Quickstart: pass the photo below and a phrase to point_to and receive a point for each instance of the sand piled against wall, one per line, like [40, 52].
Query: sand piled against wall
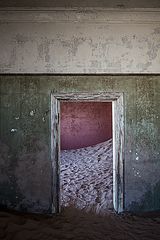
[87, 177]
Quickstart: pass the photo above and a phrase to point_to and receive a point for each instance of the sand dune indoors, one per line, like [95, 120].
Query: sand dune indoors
[86, 177]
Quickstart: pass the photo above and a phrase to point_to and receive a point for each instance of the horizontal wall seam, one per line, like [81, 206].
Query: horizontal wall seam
[88, 16]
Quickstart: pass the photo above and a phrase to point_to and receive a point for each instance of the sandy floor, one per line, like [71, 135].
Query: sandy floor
[86, 177]
[78, 225]
[74, 223]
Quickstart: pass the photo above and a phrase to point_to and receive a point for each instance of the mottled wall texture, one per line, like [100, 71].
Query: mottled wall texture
[77, 41]
[80, 41]
[25, 165]
[85, 124]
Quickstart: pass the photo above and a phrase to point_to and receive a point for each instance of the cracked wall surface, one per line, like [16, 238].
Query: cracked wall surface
[25, 166]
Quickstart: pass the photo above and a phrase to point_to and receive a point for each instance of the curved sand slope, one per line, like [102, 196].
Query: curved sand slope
[86, 177]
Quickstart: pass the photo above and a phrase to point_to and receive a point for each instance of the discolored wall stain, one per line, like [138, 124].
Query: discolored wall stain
[149, 198]
[25, 164]
[34, 170]
[80, 41]
[20, 39]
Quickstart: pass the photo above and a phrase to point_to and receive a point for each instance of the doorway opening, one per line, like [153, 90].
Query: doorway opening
[86, 159]
[87, 141]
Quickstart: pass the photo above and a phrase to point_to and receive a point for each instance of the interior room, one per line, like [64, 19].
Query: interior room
[79, 119]
[86, 170]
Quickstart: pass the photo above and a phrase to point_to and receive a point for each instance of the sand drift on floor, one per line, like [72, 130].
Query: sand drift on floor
[86, 177]
[75, 224]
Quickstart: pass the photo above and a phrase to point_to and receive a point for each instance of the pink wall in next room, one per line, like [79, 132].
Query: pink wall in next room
[85, 123]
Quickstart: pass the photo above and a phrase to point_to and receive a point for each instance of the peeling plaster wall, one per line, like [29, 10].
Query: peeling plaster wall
[25, 167]
[80, 41]
[77, 41]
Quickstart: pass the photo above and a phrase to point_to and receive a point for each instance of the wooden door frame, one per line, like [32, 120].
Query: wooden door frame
[118, 142]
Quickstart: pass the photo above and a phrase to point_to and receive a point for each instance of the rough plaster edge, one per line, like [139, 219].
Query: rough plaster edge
[73, 15]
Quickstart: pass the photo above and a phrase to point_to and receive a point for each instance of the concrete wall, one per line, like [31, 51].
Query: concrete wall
[80, 41]
[82, 3]
[77, 41]
[85, 124]
[25, 166]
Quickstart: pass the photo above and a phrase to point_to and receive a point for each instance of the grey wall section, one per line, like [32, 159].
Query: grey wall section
[82, 3]
[25, 167]
[80, 41]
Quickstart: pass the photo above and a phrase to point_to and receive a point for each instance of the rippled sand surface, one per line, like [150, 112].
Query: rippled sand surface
[87, 177]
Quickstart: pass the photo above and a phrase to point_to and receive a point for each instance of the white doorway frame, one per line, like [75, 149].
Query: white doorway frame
[117, 100]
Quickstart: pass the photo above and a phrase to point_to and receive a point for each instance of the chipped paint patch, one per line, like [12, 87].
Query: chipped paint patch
[17, 118]
[32, 113]
[87, 46]
[14, 130]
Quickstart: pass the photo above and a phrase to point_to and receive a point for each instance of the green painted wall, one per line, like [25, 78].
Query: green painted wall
[25, 166]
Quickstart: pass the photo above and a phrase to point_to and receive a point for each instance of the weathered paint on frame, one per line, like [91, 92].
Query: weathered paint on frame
[118, 141]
